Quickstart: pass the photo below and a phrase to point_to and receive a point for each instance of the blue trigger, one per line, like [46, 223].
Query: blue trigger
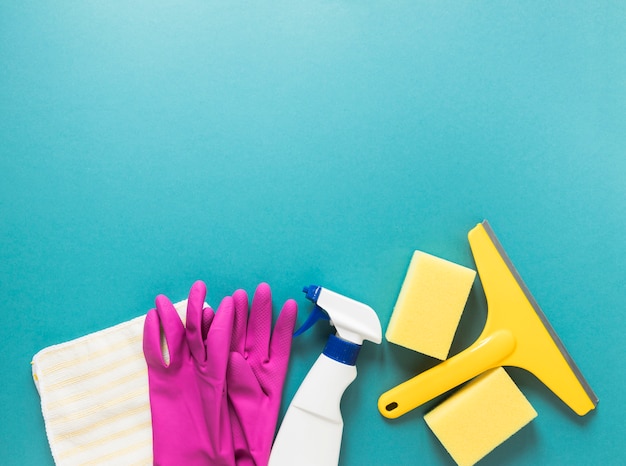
[317, 314]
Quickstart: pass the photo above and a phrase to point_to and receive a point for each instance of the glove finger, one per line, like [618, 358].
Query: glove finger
[195, 315]
[218, 340]
[207, 318]
[280, 347]
[173, 330]
[152, 340]
[238, 340]
[259, 324]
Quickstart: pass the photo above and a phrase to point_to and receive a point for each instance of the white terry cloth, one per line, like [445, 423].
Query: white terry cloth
[94, 397]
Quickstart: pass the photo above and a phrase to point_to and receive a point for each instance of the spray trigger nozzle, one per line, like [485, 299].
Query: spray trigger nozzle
[312, 292]
[353, 321]
[317, 314]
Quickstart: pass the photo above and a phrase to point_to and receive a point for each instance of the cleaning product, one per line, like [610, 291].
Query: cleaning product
[516, 333]
[311, 431]
[430, 305]
[480, 416]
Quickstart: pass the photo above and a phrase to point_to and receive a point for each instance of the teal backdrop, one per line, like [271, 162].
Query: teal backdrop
[147, 144]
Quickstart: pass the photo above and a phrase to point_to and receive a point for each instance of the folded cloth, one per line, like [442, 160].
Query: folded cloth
[94, 396]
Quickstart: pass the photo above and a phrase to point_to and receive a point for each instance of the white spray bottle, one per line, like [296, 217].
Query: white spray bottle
[311, 431]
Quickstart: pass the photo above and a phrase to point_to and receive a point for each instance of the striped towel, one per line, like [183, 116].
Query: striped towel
[94, 397]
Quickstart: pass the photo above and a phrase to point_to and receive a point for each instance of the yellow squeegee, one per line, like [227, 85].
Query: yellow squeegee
[516, 333]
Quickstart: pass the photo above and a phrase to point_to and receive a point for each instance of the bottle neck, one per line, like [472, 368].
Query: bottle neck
[342, 350]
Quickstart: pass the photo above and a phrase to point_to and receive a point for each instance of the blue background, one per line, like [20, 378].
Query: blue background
[147, 144]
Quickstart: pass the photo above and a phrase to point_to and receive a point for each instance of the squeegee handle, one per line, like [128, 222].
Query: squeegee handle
[486, 353]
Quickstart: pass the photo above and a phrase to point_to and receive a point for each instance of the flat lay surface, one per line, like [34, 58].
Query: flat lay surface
[147, 145]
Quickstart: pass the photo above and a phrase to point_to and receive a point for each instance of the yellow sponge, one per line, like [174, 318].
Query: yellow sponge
[480, 416]
[430, 305]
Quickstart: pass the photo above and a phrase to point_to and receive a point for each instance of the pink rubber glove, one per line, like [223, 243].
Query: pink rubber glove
[256, 373]
[190, 421]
